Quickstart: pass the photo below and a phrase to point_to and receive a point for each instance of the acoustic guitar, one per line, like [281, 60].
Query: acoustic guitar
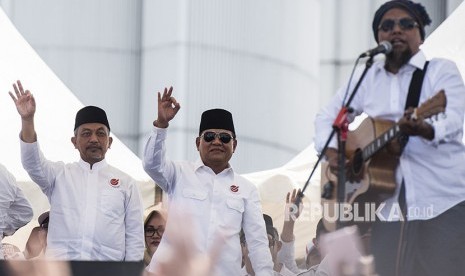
[373, 151]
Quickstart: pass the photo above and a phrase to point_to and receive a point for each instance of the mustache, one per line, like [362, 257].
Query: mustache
[94, 146]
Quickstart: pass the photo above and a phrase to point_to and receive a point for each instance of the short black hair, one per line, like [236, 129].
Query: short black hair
[320, 229]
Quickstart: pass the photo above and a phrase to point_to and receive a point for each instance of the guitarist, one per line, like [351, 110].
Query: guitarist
[428, 237]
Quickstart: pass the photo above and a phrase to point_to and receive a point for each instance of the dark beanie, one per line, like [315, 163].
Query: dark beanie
[416, 10]
[216, 118]
[91, 114]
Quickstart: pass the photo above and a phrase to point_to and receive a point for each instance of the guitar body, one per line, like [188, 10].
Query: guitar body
[379, 170]
[369, 182]
[373, 150]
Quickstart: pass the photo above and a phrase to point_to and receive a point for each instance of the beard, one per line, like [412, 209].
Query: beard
[395, 60]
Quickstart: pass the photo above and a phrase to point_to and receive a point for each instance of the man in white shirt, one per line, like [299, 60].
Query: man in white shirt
[15, 210]
[218, 201]
[430, 175]
[95, 209]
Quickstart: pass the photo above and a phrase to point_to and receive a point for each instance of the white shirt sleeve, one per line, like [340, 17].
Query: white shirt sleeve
[449, 127]
[255, 234]
[15, 210]
[39, 169]
[162, 171]
[134, 228]
[286, 256]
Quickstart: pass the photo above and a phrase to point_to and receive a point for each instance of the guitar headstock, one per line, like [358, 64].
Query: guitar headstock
[433, 106]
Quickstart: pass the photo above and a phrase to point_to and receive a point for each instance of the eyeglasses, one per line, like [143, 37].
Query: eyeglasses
[150, 231]
[224, 137]
[404, 23]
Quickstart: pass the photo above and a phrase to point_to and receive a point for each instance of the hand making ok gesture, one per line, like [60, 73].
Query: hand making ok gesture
[167, 108]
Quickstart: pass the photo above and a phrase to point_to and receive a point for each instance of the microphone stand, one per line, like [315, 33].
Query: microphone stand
[340, 126]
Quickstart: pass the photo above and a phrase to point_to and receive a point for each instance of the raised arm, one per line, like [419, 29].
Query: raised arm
[26, 106]
[291, 214]
[154, 159]
[286, 255]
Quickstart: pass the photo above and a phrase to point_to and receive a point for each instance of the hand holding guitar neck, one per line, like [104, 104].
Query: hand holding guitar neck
[412, 125]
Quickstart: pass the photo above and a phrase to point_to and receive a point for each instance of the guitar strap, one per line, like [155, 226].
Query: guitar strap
[413, 99]
[414, 90]
[413, 96]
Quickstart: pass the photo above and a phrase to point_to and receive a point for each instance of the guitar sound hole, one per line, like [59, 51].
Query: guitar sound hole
[357, 162]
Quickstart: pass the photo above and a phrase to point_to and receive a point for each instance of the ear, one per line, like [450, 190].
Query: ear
[197, 142]
[110, 140]
[279, 244]
[234, 145]
[315, 242]
[73, 140]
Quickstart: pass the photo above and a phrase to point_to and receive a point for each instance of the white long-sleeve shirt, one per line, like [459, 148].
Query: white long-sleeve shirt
[433, 171]
[15, 210]
[95, 214]
[286, 256]
[214, 207]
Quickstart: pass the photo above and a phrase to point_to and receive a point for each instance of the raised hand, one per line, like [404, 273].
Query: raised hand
[292, 201]
[24, 101]
[292, 211]
[167, 108]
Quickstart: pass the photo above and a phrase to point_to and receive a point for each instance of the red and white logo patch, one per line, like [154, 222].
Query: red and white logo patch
[114, 182]
[234, 188]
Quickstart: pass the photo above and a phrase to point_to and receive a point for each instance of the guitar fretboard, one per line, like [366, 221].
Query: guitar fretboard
[380, 142]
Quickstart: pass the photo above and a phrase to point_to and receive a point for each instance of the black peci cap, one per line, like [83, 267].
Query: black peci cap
[91, 114]
[217, 119]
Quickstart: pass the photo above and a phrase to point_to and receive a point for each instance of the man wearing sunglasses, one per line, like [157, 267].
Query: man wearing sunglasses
[419, 230]
[217, 201]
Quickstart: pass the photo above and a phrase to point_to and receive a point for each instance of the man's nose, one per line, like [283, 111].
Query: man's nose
[93, 137]
[396, 27]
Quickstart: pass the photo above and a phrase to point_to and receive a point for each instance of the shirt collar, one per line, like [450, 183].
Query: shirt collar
[417, 61]
[95, 167]
[199, 164]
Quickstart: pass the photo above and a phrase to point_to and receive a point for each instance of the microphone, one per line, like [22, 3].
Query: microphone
[384, 47]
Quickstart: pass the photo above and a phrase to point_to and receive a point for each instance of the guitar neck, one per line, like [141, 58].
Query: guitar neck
[380, 142]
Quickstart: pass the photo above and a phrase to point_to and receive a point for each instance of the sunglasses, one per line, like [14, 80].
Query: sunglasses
[224, 137]
[404, 24]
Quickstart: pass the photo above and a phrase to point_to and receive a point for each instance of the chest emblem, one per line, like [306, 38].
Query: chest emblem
[114, 182]
[234, 188]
